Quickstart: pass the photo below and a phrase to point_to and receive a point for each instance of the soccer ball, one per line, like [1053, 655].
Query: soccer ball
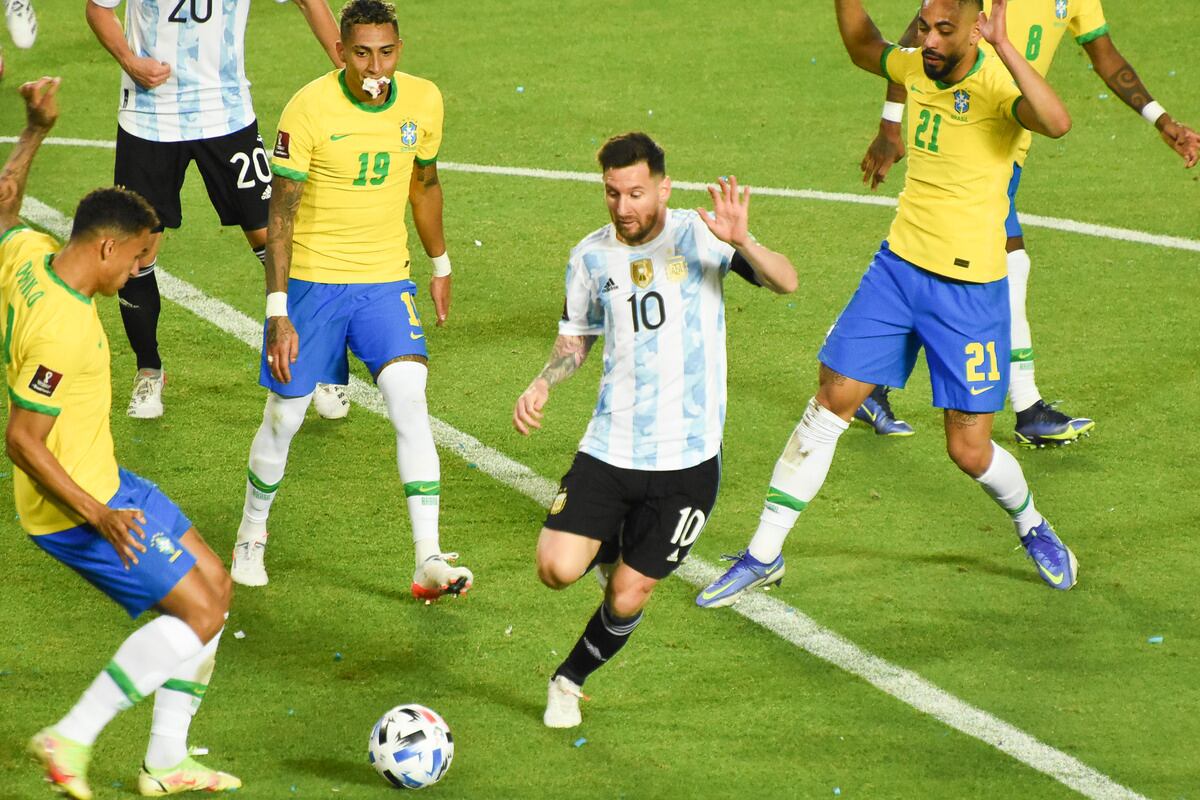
[411, 747]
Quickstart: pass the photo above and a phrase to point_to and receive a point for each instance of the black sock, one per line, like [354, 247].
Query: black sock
[140, 305]
[260, 253]
[603, 638]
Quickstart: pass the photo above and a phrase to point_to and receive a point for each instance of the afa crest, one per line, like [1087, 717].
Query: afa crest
[408, 133]
[560, 502]
[962, 101]
[677, 268]
[642, 272]
[1060, 9]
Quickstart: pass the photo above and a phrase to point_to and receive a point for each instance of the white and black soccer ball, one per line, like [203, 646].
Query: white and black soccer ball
[411, 747]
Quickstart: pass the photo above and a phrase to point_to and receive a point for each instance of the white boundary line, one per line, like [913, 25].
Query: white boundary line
[776, 616]
[1033, 220]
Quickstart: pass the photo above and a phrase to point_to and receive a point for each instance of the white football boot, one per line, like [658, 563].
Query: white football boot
[562, 703]
[436, 577]
[330, 401]
[22, 22]
[146, 401]
[248, 568]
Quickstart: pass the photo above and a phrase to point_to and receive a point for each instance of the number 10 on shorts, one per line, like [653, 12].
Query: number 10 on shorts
[691, 522]
[977, 353]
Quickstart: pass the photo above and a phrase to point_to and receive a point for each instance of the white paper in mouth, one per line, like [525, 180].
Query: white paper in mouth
[375, 86]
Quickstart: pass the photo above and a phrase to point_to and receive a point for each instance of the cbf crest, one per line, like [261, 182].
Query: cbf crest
[962, 101]
[408, 133]
[1060, 9]
[641, 272]
[163, 544]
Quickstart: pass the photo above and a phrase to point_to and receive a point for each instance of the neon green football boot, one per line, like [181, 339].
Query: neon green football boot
[65, 762]
[188, 775]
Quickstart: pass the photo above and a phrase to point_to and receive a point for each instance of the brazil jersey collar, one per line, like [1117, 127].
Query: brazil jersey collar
[358, 104]
[54, 277]
[978, 63]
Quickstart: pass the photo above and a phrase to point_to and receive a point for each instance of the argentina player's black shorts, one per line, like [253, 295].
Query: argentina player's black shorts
[235, 169]
[653, 517]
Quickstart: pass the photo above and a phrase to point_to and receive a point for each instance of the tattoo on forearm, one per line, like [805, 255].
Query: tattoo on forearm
[427, 175]
[1128, 86]
[281, 222]
[16, 170]
[568, 353]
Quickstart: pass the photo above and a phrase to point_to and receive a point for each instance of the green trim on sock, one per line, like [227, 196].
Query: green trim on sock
[196, 690]
[1025, 505]
[124, 683]
[424, 488]
[1022, 354]
[261, 485]
[784, 499]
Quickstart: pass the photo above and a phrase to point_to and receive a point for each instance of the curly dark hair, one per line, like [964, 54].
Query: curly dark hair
[114, 209]
[367, 12]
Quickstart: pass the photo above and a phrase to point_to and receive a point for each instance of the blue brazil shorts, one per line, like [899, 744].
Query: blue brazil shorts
[900, 308]
[377, 321]
[1012, 226]
[163, 565]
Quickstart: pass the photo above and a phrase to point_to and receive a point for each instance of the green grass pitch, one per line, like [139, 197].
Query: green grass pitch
[900, 553]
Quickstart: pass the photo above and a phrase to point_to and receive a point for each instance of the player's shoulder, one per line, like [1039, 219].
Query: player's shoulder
[600, 239]
[319, 90]
[20, 244]
[415, 87]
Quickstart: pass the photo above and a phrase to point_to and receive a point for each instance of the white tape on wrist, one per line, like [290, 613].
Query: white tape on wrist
[277, 304]
[892, 112]
[1152, 111]
[441, 265]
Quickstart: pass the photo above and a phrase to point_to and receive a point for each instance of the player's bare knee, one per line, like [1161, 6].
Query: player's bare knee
[969, 456]
[556, 575]
[627, 601]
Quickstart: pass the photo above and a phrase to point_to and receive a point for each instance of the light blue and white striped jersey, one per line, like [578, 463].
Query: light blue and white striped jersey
[204, 42]
[661, 309]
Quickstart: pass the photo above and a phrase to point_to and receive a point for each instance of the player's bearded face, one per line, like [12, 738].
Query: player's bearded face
[637, 202]
[945, 31]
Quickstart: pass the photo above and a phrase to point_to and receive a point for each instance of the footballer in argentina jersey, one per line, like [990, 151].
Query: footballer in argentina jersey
[962, 141]
[661, 308]
[204, 42]
[56, 356]
[1037, 27]
[356, 161]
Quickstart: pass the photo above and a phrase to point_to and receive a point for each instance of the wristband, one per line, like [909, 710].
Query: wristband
[892, 112]
[277, 304]
[441, 265]
[1152, 111]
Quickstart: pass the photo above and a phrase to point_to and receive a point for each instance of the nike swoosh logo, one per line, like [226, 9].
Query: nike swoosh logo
[1050, 576]
[415, 336]
[1023, 354]
[427, 490]
[709, 595]
[335, 137]
[915, 90]
[975, 391]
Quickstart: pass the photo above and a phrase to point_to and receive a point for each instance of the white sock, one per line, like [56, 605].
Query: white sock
[798, 476]
[141, 664]
[175, 703]
[1022, 387]
[282, 417]
[403, 387]
[1005, 483]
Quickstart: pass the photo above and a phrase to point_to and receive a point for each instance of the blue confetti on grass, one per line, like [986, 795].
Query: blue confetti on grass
[337, 656]
[580, 742]
[1155, 640]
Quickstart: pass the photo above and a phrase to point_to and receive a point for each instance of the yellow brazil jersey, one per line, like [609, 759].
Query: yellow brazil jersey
[57, 356]
[1036, 28]
[356, 161]
[962, 139]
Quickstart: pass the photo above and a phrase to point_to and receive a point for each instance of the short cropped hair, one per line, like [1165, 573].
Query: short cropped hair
[367, 12]
[976, 4]
[632, 148]
[114, 209]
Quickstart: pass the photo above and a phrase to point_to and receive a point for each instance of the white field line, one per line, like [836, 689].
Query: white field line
[1032, 220]
[776, 616]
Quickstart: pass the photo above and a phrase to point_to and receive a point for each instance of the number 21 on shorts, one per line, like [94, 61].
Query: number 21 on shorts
[977, 354]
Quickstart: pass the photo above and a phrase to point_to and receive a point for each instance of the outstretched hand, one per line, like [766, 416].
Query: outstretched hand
[884, 151]
[1183, 140]
[995, 27]
[729, 220]
[41, 108]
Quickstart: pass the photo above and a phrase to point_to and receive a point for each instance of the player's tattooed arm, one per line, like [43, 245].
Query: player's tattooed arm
[568, 353]
[567, 356]
[1120, 76]
[281, 224]
[41, 112]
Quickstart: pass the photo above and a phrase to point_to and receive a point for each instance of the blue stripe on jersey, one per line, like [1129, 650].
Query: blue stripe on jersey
[142, 99]
[597, 267]
[600, 429]
[695, 359]
[187, 79]
[231, 89]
